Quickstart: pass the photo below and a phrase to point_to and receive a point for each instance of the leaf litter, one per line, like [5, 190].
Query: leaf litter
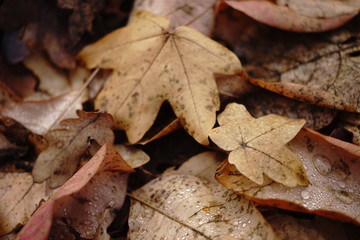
[183, 64]
[332, 167]
[68, 143]
[100, 184]
[230, 87]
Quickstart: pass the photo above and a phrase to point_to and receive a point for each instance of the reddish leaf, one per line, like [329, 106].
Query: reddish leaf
[285, 18]
[101, 183]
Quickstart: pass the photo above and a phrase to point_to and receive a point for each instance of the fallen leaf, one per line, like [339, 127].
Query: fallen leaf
[316, 117]
[234, 86]
[52, 81]
[352, 124]
[132, 156]
[317, 68]
[196, 14]
[19, 198]
[83, 199]
[287, 227]
[202, 165]
[258, 145]
[16, 81]
[333, 170]
[82, 17]
[41, 116]
[313, 17]
[14, 139]
[178, 67]
[189, 207]
[68, 143]
[167, 128]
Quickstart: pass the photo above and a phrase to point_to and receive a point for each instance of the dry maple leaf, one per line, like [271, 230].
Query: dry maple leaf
[68, 143]
[152, 65]
[333, 170]
[258, 145]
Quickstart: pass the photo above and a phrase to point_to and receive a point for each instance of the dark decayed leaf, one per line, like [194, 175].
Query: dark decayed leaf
[68, 143]
[80, 205]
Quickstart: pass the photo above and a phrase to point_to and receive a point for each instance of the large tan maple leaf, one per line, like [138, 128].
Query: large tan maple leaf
[152, 65]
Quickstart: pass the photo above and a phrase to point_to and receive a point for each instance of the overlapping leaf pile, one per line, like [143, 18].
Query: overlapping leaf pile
[65, 162]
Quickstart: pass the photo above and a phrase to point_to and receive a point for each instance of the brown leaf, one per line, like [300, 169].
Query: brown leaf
[303, 16]
[196, 14]
[14, 139]
[234, 86]
[191, 207]
[82, 17]
[316, 117]
[19, 198]
[178, 67]
[82, 201]
[287, 227]
[320, 68]
[258, 145]
[333, 170]
[352, 124]
[41, 116]
[68, 143]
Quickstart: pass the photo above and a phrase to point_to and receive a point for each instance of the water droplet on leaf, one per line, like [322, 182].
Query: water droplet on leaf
[322, 164]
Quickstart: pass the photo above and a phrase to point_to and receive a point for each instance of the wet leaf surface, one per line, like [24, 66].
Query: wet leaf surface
[332, 167]
[183, 64]
[82, 200]
[68, 143]
[188, 207]
[257, 146]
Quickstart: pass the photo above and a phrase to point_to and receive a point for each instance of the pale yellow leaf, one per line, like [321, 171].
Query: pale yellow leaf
[258, 145]
[187, 207]
[152, 65]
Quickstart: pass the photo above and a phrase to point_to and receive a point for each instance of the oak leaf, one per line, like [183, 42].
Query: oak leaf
[193, 208]
[19, 198]
[258, 145]
[82, 202]
[152, 65]
[68, 143]
[333, 170]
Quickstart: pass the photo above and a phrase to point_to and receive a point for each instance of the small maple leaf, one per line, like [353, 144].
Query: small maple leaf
[258, 145]
[152, 65]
